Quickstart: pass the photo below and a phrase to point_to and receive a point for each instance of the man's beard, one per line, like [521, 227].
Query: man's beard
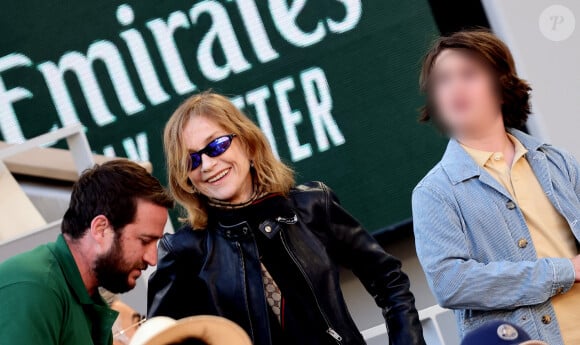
[112, 270]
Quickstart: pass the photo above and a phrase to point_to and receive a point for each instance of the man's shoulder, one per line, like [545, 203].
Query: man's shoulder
[37, 266]
[435, 178]
[559, 157]
[32, 303]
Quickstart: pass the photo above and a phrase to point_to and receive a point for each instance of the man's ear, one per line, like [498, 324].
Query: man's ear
[99, 226]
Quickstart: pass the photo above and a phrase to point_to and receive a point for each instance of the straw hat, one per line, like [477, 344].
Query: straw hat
[213, 330]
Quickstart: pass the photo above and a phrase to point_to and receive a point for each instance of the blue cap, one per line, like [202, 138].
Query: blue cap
[499, 333]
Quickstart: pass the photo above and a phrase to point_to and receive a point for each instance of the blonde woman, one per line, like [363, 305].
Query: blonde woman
[259, 250]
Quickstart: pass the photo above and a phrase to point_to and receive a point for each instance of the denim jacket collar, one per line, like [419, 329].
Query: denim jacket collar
[459, 166]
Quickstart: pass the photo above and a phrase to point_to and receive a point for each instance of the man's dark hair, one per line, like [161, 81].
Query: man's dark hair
[111, 189]
[514, 92]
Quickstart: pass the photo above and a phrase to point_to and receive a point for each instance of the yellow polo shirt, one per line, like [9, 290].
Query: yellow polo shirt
[549, 231]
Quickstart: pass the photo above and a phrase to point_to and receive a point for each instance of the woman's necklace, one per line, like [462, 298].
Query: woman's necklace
[256, 194]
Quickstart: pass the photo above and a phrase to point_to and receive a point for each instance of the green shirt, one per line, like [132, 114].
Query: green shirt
[43, 301]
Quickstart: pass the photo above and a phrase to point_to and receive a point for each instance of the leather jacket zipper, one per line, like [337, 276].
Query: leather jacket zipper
[245, 293]
[291, 220]
[329, 330]
[334, 334]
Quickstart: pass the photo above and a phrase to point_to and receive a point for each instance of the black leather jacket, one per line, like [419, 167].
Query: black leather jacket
[217, 271]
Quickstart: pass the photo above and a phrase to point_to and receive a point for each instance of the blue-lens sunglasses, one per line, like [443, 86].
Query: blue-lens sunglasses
[215, 148]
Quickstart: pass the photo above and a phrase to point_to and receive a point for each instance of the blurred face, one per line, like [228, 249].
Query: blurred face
[226, 177]
[464, 92]
[132, 249]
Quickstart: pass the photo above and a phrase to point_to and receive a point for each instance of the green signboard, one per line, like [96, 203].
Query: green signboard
[332, 83]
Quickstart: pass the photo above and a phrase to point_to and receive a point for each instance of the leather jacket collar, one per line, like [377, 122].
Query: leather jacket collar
[266, 214]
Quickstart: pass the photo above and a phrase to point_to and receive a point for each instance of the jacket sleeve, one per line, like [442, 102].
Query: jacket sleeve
[172, 289]
[353, 247]
[460, 282]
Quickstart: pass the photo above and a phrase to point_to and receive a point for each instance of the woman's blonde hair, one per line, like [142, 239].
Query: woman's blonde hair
[270, 175]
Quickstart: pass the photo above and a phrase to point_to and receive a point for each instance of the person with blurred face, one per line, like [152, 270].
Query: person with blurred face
[49, 295]
[259, 250]
[496, 220]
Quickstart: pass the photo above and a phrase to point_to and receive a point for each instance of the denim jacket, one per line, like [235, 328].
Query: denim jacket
[468, 228]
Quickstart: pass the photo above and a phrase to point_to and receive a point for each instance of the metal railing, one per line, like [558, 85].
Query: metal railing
[431, 327]
[82, 157]
[75, 138]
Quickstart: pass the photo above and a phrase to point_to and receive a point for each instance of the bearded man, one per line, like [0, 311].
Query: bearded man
[49, 295]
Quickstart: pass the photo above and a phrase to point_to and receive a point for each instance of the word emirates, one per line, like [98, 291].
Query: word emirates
[220, 35]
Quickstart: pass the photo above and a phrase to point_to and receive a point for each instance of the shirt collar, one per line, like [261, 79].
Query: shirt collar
[483, 157]
[460, 166]
[98, 312]
[71, 272]
[479, 156]
[520, 150]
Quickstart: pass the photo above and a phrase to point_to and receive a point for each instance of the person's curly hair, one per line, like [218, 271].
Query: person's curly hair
[514, 92]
